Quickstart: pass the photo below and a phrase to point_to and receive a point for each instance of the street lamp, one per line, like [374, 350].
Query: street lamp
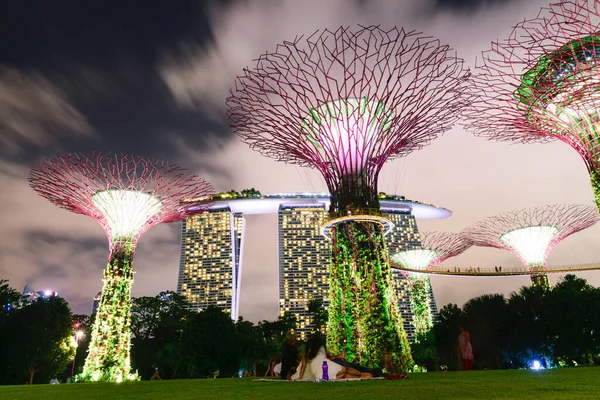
[78, 335]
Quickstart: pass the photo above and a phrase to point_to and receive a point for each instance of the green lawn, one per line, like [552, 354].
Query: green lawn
[574, 383]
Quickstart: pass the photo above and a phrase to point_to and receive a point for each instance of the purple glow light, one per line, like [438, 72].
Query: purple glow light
[347, 131]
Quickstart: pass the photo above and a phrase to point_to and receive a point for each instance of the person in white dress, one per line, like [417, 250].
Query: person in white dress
[311, 365]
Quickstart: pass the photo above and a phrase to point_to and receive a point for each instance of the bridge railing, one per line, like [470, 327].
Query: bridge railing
[503, 271]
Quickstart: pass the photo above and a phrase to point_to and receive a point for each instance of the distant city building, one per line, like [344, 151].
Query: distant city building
[211, 260]
[212, 245]
[96, 303]
[304, 256]
[29, 295]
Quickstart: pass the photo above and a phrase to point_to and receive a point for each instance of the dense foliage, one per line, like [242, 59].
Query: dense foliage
[364, 323]
[35, 340]
[187, 344]
[560, 327]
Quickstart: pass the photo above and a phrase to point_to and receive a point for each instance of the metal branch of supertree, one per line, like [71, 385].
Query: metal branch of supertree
[126, 194]
[531, 233]
[436, 247]
[346, 101]
[541, 83]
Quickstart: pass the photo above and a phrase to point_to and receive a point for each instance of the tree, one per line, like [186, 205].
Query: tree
[253, 348]
[250, 193]
[8, 298]
[571, 311]
[445, 332]
[424, 351]
[528, 330]
[41, 339]
[209, 345]
[319, 314]
[157, 323]
[485, 318]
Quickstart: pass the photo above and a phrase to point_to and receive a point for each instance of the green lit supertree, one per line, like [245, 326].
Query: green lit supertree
[436, 247]
[345, 102]
[127, 195]
[542, 83]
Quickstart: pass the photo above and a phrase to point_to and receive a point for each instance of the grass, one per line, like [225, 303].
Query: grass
[573, 383]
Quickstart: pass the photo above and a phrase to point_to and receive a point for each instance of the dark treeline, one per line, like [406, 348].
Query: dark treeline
[189, 344]
[37, 339]
[557, 328]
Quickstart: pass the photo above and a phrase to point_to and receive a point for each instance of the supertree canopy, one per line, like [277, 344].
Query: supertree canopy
[127, 195]
[435, 248]
[542, 83]
[345, 102]
[530, 234]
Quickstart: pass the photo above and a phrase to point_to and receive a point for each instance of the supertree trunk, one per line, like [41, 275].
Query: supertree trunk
[540, 279]
[108, 358]
[364, 320]
[353, 191]
[595, 180]
[420, 300]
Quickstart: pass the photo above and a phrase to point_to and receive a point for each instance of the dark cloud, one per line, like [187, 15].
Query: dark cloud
[34, 112]
[467, 5]
[97, 65]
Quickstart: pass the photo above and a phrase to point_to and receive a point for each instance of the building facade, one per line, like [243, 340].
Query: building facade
[96, 303]
[210, 267]
[304, 258]
[212, 252]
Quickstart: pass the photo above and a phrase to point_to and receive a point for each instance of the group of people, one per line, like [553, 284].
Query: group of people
[314, 363]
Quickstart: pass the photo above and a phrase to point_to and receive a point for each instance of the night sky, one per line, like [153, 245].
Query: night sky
[150, 78]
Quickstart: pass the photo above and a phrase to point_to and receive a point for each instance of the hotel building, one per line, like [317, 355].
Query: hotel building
[212, 243]
[210, 267]
[304, 257]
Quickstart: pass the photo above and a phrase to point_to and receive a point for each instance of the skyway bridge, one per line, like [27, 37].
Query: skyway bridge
[500, 270]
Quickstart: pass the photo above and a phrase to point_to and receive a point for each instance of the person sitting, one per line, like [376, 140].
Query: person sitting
[289, 354]
[311, 364]
[273, 363]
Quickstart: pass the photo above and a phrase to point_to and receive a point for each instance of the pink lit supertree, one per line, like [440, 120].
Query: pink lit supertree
[345, 102]
[127, 195]
[436, 247]
[541, 83]
[532, 233]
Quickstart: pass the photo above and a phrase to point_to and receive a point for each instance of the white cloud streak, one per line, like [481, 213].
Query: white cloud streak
[34, 111]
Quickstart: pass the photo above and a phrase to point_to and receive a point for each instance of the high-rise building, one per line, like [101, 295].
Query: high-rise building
[96, 302]
[211, 260]
[304, 256]
[212, 246]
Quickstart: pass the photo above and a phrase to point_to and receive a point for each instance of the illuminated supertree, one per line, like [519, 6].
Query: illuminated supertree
[127, 195]
[530, 234]
[542, 83]
[436, 247]
[345, 102]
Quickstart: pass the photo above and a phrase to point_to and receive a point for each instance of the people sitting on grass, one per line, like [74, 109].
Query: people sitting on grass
[311, 364]
[289, 354]
[274, 367]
